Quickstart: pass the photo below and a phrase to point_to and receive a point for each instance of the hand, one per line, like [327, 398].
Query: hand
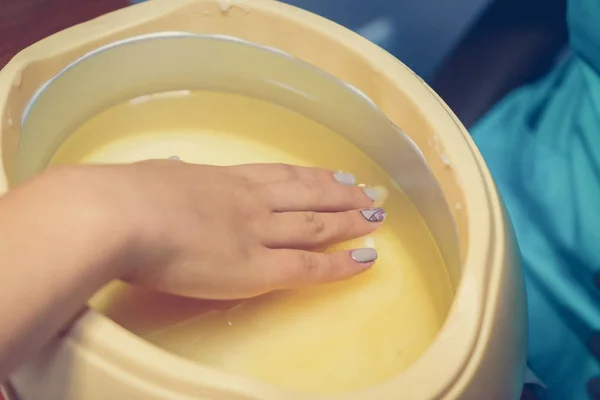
[236, 232]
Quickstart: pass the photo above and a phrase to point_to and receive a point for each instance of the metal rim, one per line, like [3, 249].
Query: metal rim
[175, 34]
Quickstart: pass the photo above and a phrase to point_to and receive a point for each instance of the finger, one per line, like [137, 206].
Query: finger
[315, 195]
[264, 173]
[293, 268]
[310, 230]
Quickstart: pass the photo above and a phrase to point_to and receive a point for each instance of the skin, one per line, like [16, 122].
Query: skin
[192, 230]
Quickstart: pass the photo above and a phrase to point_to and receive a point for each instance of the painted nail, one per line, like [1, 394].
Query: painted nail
[364, 256]
[374, 214]
[175, 158]
[344, 178]
[377, 194]
[372, 193]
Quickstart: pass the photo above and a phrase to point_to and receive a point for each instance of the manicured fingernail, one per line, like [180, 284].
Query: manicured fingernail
[372, 193]
[175, 158]
[344, 178]
[377, 194]
[374, 214]
[364, 256]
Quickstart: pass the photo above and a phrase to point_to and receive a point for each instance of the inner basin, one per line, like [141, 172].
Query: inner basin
[324, 339]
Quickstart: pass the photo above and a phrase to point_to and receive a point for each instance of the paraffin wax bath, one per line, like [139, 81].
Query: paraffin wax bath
[324, 339]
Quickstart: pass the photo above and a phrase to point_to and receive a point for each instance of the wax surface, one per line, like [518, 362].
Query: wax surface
[332, 338]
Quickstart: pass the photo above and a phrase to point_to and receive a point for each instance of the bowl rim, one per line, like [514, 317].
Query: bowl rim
[462, 331]
[420, 185]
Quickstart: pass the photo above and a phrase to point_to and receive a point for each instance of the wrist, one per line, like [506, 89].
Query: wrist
[80, 202]
[61, 242]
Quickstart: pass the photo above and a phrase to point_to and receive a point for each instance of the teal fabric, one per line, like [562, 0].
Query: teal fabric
[542, 144]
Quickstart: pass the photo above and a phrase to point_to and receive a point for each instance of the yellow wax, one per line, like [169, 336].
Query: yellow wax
[332, 338]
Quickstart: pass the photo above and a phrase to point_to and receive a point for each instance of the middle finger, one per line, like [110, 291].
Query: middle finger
[310, 230]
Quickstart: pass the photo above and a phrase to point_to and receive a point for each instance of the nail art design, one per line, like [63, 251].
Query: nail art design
[364, 256]
[344, 178]
[374, 214]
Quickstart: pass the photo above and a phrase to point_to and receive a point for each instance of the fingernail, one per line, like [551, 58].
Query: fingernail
[377, 194]
[364, 256]
[372, 193]
[373, 214]
[175, 158]
[344, 178]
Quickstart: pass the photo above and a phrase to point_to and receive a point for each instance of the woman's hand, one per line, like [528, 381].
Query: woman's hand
[193, 230]
[235, 232]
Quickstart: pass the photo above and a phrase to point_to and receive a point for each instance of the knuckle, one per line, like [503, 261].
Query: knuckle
[261, 192]
[245, 181]
[309, 263]
[242, 189]
[314, 222]
[324, 175]
[315, 188]
[245, 200]
[287, 170]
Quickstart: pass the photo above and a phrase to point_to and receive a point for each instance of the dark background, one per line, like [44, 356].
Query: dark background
[431, 27]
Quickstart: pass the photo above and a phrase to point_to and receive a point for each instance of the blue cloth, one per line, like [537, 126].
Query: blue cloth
[542, 144]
